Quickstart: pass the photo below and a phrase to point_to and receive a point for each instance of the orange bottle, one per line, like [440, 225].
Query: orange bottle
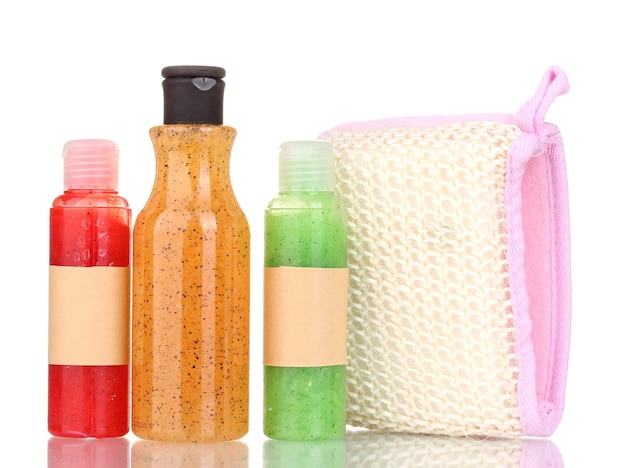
[191, 274]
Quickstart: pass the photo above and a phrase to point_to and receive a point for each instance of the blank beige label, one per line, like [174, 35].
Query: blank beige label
[89, 321]
[305, 317]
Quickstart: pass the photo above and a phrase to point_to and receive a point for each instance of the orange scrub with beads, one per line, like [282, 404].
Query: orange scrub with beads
[191, 276]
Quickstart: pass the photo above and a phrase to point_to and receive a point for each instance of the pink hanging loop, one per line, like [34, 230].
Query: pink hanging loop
[532, 114]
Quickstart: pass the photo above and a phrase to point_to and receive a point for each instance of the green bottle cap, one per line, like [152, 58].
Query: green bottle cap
[306, 166]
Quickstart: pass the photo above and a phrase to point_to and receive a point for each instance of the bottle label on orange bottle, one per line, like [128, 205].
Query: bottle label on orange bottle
[89, 316]
[305, 316]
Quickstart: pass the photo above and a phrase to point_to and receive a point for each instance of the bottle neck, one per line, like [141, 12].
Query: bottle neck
[192, 162]
[87, 191]
[305, 192]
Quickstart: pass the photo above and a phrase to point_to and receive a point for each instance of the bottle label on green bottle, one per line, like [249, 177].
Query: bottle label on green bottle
[306, 316]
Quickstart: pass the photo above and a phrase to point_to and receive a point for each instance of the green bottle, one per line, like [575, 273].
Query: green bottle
[305, 299]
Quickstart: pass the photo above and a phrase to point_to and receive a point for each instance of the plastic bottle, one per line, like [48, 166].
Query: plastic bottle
[305, 299]
[89, 316]
[191, 274]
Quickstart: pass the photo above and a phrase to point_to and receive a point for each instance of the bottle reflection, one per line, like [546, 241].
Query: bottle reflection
[152, 454]
[289, 454]
[377, 449]
[88, 453]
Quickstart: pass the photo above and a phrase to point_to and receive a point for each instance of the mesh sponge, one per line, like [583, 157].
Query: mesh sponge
[431, 335]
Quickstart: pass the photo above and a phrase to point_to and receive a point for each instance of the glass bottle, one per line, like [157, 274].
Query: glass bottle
[305, 299]
[191, 274]
[89, 296]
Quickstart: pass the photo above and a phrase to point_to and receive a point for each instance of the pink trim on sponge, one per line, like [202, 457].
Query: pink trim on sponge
[420, 121]
[539, 259]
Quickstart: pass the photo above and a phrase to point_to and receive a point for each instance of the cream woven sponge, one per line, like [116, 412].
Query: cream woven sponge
[431, 334]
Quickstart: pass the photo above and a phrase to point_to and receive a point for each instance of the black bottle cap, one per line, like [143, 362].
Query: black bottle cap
[193, 95]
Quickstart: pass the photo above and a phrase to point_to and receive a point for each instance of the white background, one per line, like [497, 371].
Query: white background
[82, 69]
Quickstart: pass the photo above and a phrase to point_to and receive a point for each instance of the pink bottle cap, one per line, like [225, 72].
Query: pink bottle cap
[91, 164]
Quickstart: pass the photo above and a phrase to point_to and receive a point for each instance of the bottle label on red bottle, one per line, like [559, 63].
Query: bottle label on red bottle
[305, 316]
[89, 316]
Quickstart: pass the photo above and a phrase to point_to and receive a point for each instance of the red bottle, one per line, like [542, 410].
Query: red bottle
[89, 315]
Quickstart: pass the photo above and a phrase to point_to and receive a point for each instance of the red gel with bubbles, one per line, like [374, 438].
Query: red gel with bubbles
[89, 228]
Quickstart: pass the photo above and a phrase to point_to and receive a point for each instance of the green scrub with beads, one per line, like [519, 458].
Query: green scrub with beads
[305, 226]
